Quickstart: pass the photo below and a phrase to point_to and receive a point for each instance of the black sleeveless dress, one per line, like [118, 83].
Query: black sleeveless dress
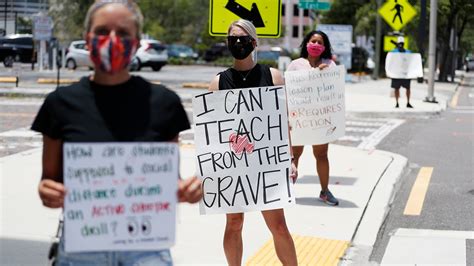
[259, 76]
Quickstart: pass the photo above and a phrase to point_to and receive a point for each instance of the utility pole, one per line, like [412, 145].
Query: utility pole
[378, 39]
[5, 16]
[432, 51]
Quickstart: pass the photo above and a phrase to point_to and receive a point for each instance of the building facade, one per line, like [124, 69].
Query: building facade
[296, 22]
[11, 10]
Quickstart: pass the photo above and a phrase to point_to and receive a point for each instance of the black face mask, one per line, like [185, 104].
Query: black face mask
[240, 46]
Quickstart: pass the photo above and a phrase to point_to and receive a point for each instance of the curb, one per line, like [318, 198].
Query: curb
[55, 81]
[25, 93]
[195, 85]
[376, 212]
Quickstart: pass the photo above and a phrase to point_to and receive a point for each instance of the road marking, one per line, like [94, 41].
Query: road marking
[418, 192]
[375, 138]
[463, 111]
[17, 114]
[18, 103]
[455, 99]
[361, 129]
[309, 250]
[21, 133]
[408, 246]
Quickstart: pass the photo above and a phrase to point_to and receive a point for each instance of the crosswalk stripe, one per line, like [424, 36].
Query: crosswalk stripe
[20, 133]
[360, 129]
[418, 192]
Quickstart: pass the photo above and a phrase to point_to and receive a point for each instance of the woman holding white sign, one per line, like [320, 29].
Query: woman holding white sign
[316, 53]
[109, 106]
[246, 73]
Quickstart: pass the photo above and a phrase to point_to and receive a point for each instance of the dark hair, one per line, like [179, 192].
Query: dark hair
[327, 54]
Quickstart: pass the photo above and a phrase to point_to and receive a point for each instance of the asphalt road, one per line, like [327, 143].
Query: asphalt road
[444, 142]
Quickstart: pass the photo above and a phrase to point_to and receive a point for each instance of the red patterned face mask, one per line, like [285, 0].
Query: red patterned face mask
[111, 54]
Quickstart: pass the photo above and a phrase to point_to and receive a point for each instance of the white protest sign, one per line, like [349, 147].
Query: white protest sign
[121, 196]
[316, 105]
[242, 149]
[403, 65]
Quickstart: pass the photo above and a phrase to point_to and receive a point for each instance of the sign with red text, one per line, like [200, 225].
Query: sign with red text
[242, 150]
[403, 65]
[120, 196]
[316, 105]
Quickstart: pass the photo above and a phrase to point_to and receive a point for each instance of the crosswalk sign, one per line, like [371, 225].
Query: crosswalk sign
[397, 13]
[389, 43]
[264, 14]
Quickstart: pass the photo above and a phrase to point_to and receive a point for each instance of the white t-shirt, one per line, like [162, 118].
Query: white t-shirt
[303, 63]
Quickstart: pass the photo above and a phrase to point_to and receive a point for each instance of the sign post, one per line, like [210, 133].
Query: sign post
[265, 15]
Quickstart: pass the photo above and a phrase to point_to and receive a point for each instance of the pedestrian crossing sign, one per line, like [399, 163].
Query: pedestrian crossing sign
[388, 45]
[397, 13]
[264, 14]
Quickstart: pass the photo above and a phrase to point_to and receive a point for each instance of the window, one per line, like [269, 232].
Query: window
[283, 6]
[296, 10]
[295, 31]
[305, 12]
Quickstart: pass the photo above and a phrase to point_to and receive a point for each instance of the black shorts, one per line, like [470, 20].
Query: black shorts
[397, 83]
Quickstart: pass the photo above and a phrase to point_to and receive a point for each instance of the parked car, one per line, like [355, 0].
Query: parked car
[77, 55]
[16, 48]
[469, 64]
[215, 51]
[181, 51]
[274, 56]
[150, 53]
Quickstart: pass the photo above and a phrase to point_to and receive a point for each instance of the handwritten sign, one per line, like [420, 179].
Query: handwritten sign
[316, 105]
[242, 150]
[403, 65]
[121, 196]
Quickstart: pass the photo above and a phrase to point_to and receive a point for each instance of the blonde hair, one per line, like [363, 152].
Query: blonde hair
[130, 4]
[246, 25]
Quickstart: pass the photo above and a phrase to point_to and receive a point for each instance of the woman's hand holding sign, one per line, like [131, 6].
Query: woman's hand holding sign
[294, 171]
[52, 193]
[189, 190]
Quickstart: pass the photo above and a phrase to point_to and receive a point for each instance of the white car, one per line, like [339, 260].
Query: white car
[469, 64]
[78, 55]
[150, 53]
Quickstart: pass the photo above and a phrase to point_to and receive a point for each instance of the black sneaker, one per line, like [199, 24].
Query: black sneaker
[396, 105]
[328, 198]
[409, 105]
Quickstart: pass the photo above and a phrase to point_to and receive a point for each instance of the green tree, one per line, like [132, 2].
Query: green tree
[25, 25]
[68, 17]
[457, 16]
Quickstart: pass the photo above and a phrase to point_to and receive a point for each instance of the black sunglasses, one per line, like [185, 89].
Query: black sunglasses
[242, 39]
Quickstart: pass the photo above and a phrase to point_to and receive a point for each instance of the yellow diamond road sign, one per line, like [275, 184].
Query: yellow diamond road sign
[265, 15]
[397, 13]
[388, 45]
